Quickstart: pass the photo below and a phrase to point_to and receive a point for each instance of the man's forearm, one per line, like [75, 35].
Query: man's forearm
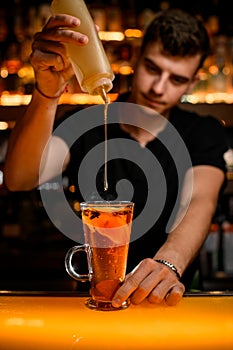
[27, 143]
[185, 241]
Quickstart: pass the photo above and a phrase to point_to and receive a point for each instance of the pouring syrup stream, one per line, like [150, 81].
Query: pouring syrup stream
[105, 98]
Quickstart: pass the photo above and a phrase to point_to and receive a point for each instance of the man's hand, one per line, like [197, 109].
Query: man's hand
[49, 56]
[152, 281]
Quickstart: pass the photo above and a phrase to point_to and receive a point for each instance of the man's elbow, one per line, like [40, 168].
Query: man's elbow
[14, 182]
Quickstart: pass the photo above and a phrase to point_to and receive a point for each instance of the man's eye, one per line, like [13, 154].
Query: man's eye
[179, 80]
[152, 68]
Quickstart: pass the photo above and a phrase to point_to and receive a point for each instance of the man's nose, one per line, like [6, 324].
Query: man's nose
[159, 84]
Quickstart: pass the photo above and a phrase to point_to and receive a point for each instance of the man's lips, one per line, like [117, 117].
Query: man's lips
[152, 102]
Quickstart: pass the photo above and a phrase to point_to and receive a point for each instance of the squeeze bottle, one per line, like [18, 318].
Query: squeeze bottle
[90, 63]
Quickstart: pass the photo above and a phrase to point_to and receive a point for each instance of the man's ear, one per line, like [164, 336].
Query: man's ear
[192, 85]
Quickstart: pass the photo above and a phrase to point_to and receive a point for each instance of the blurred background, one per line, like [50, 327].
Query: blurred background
[32, 250]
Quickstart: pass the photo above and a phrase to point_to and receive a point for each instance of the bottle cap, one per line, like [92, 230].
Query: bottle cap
[94, 85]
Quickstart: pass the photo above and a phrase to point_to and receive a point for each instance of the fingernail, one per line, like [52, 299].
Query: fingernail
[116, 302]
[83, 39]
[75, 22]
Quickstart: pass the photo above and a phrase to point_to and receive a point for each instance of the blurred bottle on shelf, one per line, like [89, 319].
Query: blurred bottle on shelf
[4, 31]
[123, 67]
[210, 250]
[220, 69]
[228, 248]
[10, 66]
[231, 60]
[114, 17]
[228, 156]
[99, 17]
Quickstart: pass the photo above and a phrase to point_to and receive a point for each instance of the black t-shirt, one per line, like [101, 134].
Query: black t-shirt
[154, 173]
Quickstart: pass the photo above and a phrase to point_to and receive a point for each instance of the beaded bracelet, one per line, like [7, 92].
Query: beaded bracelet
[42, 94]
[170, 265]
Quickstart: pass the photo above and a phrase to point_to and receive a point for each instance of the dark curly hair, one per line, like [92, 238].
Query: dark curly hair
[179, 33]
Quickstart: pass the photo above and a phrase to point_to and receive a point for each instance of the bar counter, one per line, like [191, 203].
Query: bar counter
[61, 321]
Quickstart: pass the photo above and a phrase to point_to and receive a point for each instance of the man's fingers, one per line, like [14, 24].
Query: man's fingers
[62, 20]
[175, 295]
[62, 35]
[132, 283]
[122, 294]
[150, 281]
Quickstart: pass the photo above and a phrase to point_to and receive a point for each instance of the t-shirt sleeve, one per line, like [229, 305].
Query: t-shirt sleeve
[208, 143]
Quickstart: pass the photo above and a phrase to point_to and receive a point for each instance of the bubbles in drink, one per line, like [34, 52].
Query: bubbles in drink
[107, 226]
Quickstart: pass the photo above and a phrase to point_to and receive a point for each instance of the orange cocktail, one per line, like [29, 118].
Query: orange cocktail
[107, 229]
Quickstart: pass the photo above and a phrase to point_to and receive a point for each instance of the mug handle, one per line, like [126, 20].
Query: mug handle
[68, 262]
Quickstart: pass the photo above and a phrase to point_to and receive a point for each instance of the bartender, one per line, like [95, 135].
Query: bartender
[161, 263]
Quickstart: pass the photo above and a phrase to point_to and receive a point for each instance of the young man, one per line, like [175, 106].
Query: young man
[174, 48]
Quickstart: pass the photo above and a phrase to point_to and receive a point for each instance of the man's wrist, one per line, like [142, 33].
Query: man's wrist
[169, 265]
[43, 94]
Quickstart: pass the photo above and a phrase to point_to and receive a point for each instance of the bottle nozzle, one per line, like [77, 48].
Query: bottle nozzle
[102, 92]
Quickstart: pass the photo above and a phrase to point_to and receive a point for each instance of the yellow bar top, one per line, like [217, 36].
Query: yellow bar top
[49, 322]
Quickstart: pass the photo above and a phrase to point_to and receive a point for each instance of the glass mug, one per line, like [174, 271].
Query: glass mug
[107, 230]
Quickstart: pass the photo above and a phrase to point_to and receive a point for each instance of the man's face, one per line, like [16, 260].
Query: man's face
[160, 81]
